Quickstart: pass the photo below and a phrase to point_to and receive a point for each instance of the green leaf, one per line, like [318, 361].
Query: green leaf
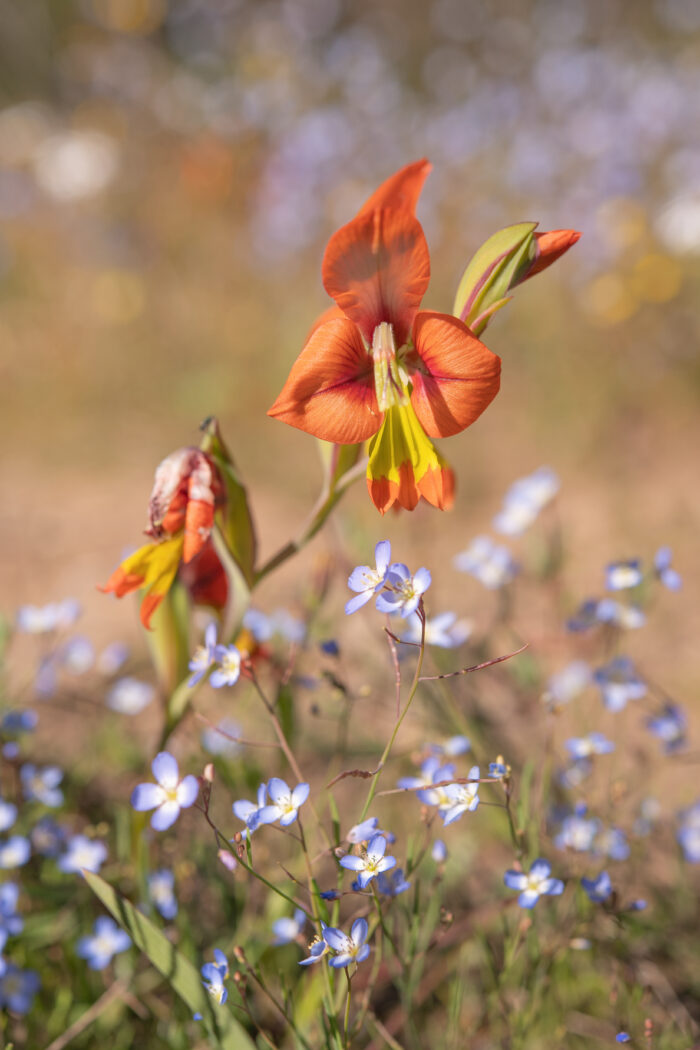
[225, 1032]
[496, 267]
[169, 638]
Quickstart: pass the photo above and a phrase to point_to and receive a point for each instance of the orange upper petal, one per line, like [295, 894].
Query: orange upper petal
[550, 246]
[458, 375]
[330, 389]
[377, 268]
[332, 313]
[199, 520]
[400, 190]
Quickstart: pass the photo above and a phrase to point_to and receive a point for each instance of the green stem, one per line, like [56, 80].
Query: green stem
[392, 738]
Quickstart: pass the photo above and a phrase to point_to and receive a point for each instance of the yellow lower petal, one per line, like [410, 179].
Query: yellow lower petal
[151, 568]
[404, 465]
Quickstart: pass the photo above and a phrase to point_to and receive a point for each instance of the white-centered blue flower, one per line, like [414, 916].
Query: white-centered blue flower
[665, 572]
[77, 656]
[18, 988]
[14, 852]
[223, 738]
[366, 581]
[11, 924]
[364, 832]
[619, 683]
[463, 798]
[8, 814]
[161, 890]
[403, 591]
[287, 930]
[129, 696]
[168, 795]
[106, 941]
[669, 727]
[33, 619]
[228, 672]
[284, 803]
[41, 785]
[598, 889]
[371, 863]
[535, 884]
[622, 575]
[83, 853]
[249, 812]
[444, 631]
[112, 658]
[347, 948]
[592, 744]
[204, 656]
[214, 975]
[488, 562]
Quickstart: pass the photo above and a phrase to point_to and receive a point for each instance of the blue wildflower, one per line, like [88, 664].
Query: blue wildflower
[83, 853]
[214, 975]
[491, 564]
[371, 863]
[77, 655]
[403, 591]
[367, 581]
[14, 852]
[317, 949]
[106, 941]
[622, 575]
[439, 851]
[462, 798]
[11, 924]
[229, 671]
[392, 885]
[44, 619]
[454, 746]
[662, 567]
[129, 696]
[619, 683]
[537, 883]
[287, 930]
[524, 500]
[222, 739]
[204, 656]
[568, 684]
[168, 795]
[16, 722]
[248, 811]
[347, 949]
[8, 814]
[18, 988]
[611, 842]
[48, 838]
[330, 647]
[41, 785]
[284, 803]
[592, 744]
[577, 831]
[112, 658]
[669, 727]
[161, 890]
[598, 889]
[365, 831]
[444, 631]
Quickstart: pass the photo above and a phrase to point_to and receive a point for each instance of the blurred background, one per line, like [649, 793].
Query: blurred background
[170, 171]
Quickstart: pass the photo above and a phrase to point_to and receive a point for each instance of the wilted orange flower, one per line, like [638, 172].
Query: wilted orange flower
[186, 493]
[376, 367]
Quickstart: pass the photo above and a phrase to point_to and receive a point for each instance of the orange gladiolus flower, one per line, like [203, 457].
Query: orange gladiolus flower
[186, 492]
[377, 368]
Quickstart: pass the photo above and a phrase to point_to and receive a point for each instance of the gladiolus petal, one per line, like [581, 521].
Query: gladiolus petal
[459, 376]
[153, 568]
[330, 389]
[400, 190]
[550, 246]
[404, 465]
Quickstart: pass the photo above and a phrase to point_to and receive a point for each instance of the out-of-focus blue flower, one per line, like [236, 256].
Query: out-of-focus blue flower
[371, 863]
[688, 833]
[592, 744]
[366, 581]
[392, 885]
[16, 722]
[330, 647]
[347, 949]
[284, 803]
[365, 831]
[537, 883]
[454, 746]
[11, 924]
[577, 831]
[77, 656]
[403, 592]
[669, 727]
[48, 838]
[287, 930]
[161, 890]
[595, 611]
[649, 813]
[129, 696]
[83, 852]
[439, 851]
[619, 683]
[638, 905]
[229, 670]
[598, 889]
[112, 658]
[623, 1037]
[431, 773]
[524, 500]
[568, 684]
[317, 949]
[8, 814]
[33, 619]
[499, 769]
[662, 567]
[106, 941]
[41, 785]
[622, 575]
[444, 631]
[14, 852]
[204, 656]
[248, 811]
[289, 627]
[463, 798]
[574, 774]
[491, 564]
[611, 842]
[217, 740]
[330, 895]
[46, 679]
[168, 795]
[18, 988]
[214, 975]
